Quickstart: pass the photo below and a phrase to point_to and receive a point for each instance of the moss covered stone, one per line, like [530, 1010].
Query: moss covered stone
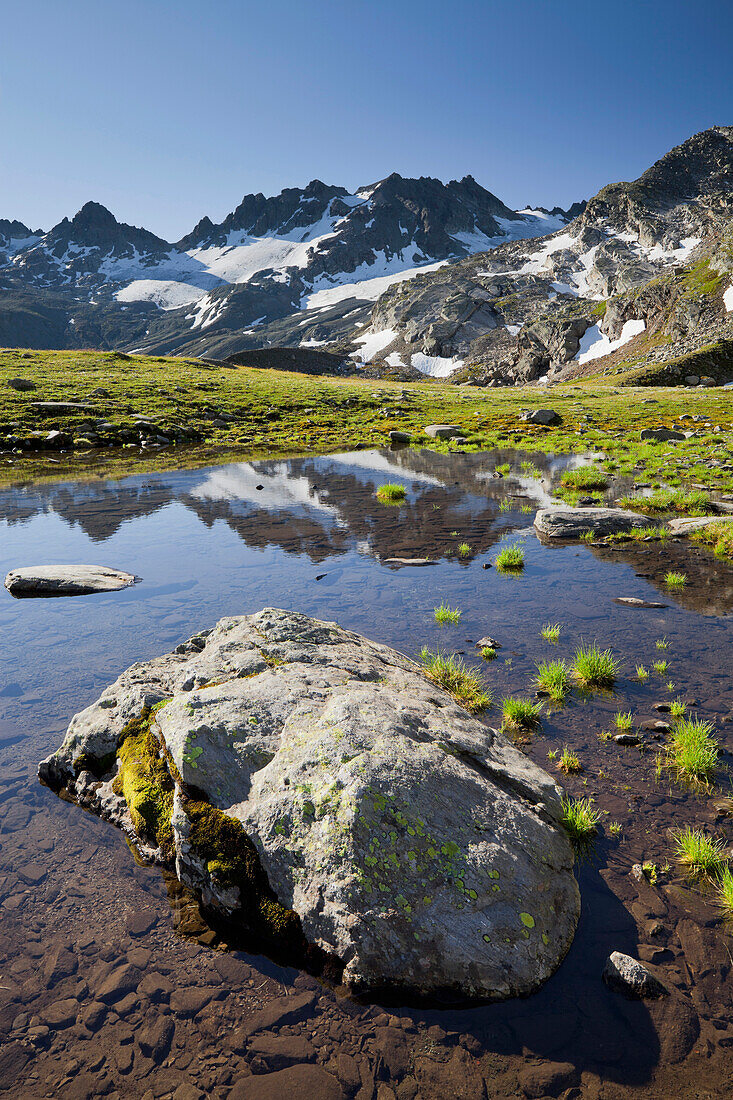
[144, 781]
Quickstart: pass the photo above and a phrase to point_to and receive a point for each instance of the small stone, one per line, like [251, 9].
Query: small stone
[660, 435]
[443, 431]
[140, 921]
[400, 437]
[547, 417]
[60, 1014]
[627, 739]
[119, 983]
[189, 1002]
[626, 975]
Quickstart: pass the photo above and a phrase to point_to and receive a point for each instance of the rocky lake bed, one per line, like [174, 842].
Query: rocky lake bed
[121, 978]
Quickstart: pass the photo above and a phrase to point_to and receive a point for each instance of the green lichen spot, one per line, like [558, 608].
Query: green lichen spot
[486, 939]
[545, 938]
[527, 920]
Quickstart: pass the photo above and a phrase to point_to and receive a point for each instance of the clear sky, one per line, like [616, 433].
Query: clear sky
[165, 110]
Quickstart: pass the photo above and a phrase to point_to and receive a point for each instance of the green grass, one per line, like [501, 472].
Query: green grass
[700, 855]
[623, 721]
[692, 752]
[677, 709]
[390, 493]
[580, 819]
[642, 674]
[445, 614]
[488, 653]
[464, 550]
[551, 632]
[719, 536]
[503, 469]
[553, 677]
[510, 559]
[662, 643]
[693, 503]
[594, 667]
[675, 580]
[520, 713]
[661, 667]
[614, 828]
[452, 674]
[531, 470]
[585, 478]
[724, 893]
[569, 762]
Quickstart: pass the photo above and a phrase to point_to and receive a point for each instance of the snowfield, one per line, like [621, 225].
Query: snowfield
[595, 344]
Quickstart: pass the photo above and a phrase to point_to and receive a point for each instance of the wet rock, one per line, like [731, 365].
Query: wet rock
[156, 986]
[547, 417]
[548, 1078]
[400, 437]
[65, 580]
[660, 435]
[626, 975]
[685, 525]
[571, 523]
[633, 601]
[443, 431]
[487, 642]
[93, 1015]
[13, 1059]
[61, 1014]
[298, 1081]
[123, 980]
[627, 739]
[189, 1002]
[283, 1010]
[409, 561]
[154, 1038]
[285, 704]
[140, 921]
[279, 1051]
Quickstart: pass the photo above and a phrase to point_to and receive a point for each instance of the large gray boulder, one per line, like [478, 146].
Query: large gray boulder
[65, 580]
[415, 844]
[571, 523]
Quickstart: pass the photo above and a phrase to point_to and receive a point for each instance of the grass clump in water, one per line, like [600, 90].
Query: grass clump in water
[551, 632]
[453, 675]
[692, 752]
[390, 493]
[464, 550]
[699, 854]
[622, 721]
[677, 709]
[580, 819]
[661, 667]
[520, 713]
[675, 580]
[569, 762]
[510, 559]
[445, 614]
[594, 667]
[553, 677]
[585, 478]
[488, 653]
[642, 674]
[719, 536]
[724, 892]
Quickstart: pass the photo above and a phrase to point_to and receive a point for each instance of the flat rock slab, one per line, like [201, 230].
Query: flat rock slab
[634, 601]
[443, 431]
[571, 523]
[687, 524]
[414, 843]
[65, 580]
[409, 561]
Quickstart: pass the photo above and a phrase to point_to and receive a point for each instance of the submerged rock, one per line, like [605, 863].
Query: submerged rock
[313, 786]
[571, 523]
[626, 975]
[65, 580]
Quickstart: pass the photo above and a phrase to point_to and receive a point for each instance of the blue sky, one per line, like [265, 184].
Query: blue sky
[164, 110]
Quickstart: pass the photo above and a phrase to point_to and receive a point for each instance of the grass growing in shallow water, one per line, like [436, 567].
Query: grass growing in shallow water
[553, 677]
[391, 493]
[445, 614]
[510, 559]
[693, 751]
[675, 580]
[622, 721]
[699, 854]
[520, 713]
[580, 819]
[724, 899]
[594, 667]
[569, 762]
[586, 477]
[451, 673]
[551, 632]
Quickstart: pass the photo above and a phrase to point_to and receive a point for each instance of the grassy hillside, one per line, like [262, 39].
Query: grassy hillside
[212, 413]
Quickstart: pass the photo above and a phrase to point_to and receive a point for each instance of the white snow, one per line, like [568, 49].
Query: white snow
[372, 343]
[728, 299]
[565, 288]
[676, 255]
[436, 366]
[312, 343]
[364, 289]
[537, 260]
[394, 359]
[595, 344]
[512, 329]
[164, 293]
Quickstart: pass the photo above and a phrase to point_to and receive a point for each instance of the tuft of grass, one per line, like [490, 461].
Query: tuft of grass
[520, 713]
[622, 721]
[503, 469]
[692, 752]
[642, 674]
[675, 580]
[661, 667]
[677, 709]
[488, 653]
[551, 632]
[699, 854]
[719, 536]
[453, 675]
[586, 478]
[510, 559]
[580, 819]
[569, 762]
[614, 828]
[661, 643]
[594, 667]
[390, 493]
[445, 614]
[531, 470]
[724, 893]
[553, 677]
[464, 550]
[694, 503]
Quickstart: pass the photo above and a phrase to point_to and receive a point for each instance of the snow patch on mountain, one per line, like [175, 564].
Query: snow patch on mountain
[595, 344]
[372, 343]
[367, 290]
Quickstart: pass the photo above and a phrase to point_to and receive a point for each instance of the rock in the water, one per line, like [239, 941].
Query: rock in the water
[487, 642]
[627, 739]
[634, 601]
[685, 525]
[660, 435]
[410, 561]
[309, 771]
[400, 437]
[443, 431]
[626, 975]
[571, 523]
[547, 417]
[65, 580]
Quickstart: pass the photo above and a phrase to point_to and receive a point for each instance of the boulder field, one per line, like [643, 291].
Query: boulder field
[316, 790]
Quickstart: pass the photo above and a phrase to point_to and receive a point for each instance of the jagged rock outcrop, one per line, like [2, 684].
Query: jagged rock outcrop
[311, 784]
